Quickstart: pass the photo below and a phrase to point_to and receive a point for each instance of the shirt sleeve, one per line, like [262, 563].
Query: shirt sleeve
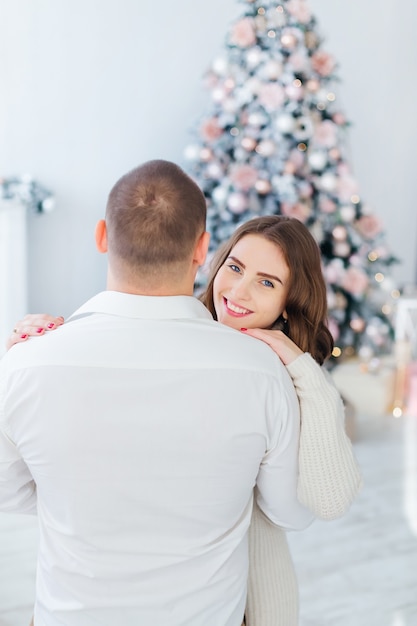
[329, 475]
[276, 486]
[17, 487]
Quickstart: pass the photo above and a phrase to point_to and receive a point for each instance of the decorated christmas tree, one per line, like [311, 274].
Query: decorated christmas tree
[274, 142]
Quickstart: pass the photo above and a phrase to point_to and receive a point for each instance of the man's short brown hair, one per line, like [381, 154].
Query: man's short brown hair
[155, 214]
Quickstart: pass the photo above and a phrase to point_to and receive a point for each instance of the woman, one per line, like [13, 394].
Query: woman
[267, 281]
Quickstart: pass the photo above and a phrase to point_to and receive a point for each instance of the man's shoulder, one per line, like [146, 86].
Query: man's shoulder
[243, 351]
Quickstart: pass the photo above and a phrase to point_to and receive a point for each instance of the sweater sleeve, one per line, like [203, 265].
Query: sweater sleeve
[329, 475]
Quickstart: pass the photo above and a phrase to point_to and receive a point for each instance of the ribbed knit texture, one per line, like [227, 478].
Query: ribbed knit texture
[329, 480]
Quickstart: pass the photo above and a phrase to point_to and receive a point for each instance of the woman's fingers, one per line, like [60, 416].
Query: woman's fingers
[282, 345]
[32, 325]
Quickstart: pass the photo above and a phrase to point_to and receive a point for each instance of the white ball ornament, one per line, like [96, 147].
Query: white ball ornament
[254, 56]
[317, 160]
[285, 124]
[237, 203]
[219, 195]
[328, 182]
[266, 148]
[347, 213]
[220, 66]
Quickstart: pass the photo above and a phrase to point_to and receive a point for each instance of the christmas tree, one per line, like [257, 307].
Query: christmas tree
[273, 142]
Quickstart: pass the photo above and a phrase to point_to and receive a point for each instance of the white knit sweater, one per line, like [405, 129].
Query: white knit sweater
[329, 480]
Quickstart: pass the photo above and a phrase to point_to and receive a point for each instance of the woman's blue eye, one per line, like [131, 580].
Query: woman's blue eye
[234, 268]
[267, 283]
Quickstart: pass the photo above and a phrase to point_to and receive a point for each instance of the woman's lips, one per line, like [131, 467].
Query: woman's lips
[235, 310]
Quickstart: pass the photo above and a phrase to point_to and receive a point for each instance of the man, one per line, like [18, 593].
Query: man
[139, 429]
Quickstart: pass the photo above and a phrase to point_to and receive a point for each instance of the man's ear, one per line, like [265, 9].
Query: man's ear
[201, 248]
[101, 236]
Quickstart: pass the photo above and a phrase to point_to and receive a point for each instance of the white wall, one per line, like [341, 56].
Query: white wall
[91, 88]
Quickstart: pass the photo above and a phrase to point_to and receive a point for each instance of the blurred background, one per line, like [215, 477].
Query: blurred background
[92, 88]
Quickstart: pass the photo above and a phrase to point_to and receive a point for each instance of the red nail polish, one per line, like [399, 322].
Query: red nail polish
[23, 336]
[51, 325]
[39, 330]
[243, 329]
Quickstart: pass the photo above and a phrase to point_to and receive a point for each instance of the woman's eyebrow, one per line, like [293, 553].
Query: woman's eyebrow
[236, 260]
[270, 276]
[263, 274]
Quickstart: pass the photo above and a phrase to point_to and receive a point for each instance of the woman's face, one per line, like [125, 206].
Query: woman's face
[251, 287]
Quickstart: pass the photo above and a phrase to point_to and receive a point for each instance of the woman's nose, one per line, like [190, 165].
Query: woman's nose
[241, 289]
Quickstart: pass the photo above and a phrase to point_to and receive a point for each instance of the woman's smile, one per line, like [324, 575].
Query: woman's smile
[235, 309]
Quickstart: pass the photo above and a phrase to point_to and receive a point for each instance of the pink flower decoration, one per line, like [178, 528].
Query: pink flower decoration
[210, 129]
[243, 33]
[325, 134]
[323, 63]
[244, 177]
[299, 10]
[355, 281]
[271, 96]
[369, 226]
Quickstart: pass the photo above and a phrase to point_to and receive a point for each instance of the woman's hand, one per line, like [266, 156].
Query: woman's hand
[32, 325]
[282, 345]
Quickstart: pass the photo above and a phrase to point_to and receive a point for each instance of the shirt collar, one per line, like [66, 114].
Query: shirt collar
[145, 307]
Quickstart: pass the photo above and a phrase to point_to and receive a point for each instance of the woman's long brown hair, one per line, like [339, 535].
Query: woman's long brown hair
[306, 304]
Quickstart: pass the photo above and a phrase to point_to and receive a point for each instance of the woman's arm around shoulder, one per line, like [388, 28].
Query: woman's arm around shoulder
[329, 474]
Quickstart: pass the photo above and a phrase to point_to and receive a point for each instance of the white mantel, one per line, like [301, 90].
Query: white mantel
[13, 266]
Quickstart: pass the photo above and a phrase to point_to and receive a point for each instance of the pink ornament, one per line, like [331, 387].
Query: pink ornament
[339, 119]
[339, 233]
[244, 177]
[263, 186]
[210, 129]
[299, 10]
[369, 226]
[248, 143]
[355, 281]
[323, 63]
[313, 85]
[206, 154]
[243, 33]
[288, 39]
[342, 249]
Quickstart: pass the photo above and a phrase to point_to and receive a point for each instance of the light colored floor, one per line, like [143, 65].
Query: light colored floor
[360, 570]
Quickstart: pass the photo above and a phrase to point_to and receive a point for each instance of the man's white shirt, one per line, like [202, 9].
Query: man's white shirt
[138, 431]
